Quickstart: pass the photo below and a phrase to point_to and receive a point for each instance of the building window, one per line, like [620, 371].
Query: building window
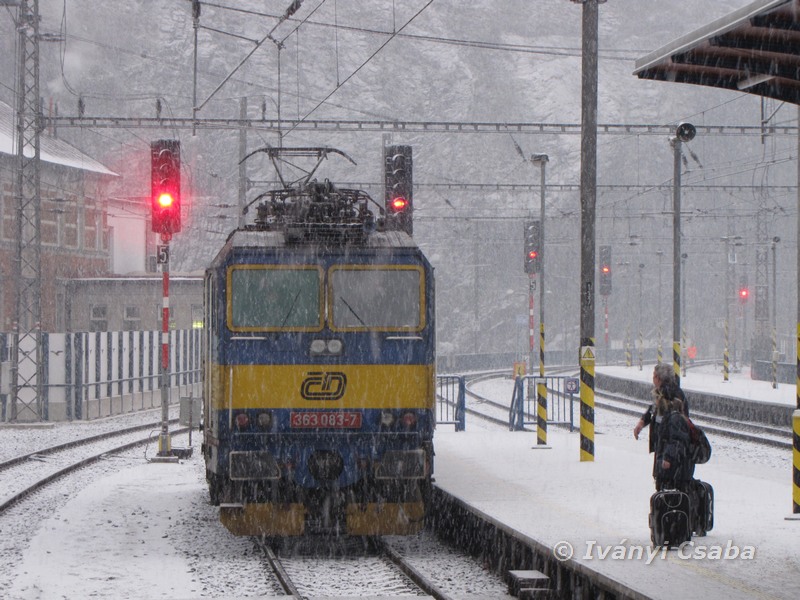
[197, 316]
[98, 319]
[61, 317]
[132, 320]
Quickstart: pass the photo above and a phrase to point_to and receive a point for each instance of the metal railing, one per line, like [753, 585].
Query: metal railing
[561, 400]
[451, 401]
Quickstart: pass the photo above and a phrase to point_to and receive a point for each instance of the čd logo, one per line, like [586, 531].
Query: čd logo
[321, 385]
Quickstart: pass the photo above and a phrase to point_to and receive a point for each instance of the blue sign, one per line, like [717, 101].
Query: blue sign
[571, 385]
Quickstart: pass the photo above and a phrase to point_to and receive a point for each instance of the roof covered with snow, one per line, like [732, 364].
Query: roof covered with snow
[53, 150]
[753, 49]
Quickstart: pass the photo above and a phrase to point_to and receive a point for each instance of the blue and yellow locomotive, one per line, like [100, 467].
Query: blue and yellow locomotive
[319, 376]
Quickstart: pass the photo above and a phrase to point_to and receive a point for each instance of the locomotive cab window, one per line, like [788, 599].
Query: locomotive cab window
[273, 298]
[383, 298]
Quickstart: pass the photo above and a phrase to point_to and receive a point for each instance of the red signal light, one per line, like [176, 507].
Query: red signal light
[605, 269]
[165, 193]
[398, 204]
[533, 254]
[744, 293]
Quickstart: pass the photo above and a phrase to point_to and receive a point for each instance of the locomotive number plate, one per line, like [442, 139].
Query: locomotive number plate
[329, 420]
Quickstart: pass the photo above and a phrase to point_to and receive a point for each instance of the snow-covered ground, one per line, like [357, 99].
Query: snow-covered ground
[602, 506]
[709, 378]
[142, 531]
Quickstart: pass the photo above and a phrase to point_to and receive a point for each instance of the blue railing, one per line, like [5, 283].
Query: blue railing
[451, 401]
[561, 392]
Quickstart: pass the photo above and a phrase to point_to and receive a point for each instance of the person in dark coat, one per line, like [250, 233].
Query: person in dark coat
[672, 468]
[663, 376]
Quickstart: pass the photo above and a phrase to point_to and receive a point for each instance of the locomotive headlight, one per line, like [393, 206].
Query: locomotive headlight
[387, 418]
[242, 421]
[409, 420]
[330, 347]
[264, 420]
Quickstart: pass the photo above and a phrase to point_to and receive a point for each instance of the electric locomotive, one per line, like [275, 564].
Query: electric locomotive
[319, 374]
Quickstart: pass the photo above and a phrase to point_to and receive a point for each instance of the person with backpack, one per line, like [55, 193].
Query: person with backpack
[671, 518]
[673, 467]
[663, 376]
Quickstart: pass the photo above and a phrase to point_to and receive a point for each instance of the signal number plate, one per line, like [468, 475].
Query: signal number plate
[326, 420]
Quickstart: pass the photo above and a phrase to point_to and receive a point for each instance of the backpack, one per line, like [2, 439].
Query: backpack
[674, 445]
[699, 446]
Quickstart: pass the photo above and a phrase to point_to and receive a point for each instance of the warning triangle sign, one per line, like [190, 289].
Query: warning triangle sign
[587, 353]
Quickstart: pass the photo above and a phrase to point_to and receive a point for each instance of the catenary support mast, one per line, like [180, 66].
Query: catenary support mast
[27, 403]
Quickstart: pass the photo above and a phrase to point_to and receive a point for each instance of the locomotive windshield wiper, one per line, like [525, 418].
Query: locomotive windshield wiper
[291, 308]
[350, 308]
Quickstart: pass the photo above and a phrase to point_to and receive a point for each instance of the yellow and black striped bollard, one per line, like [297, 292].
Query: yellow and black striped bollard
[587, 400]
[541, 394]
[796, 461]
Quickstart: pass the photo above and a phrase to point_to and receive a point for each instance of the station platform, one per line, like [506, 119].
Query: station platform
[597, 512]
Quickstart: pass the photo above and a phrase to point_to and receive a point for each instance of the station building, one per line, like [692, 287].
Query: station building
[90, 282]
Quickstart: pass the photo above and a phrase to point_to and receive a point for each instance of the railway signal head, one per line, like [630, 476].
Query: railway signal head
[165, 182]
[533, 247]
[398, 204]
[605, 271]
[744, 295]
[398, 181]
[744, 291]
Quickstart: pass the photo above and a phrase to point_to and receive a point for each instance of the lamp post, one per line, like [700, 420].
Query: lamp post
[775, 241]
[641, 337]
[541, 388]
[541, 160]
[684, 256]
[627, 342]
[589, 31]
[727, 295]
[659, 353]
[684, 132]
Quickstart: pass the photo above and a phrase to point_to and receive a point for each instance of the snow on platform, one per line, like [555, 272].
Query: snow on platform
[601, 508]
[709, 379]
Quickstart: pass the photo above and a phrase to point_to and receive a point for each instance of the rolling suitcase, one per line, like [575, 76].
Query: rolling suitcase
[702, 506]
[670, 518]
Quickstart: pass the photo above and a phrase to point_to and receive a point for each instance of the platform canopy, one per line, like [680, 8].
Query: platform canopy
[755, 49]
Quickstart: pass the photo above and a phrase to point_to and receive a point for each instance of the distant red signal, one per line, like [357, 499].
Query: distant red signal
[744, 294]
[533, 246]
[605, 271]
[398, 204]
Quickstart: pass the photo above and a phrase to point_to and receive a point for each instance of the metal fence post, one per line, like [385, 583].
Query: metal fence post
[461, 406]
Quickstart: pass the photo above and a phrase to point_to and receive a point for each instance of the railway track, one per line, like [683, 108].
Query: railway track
[492, 410]
[375, 567]
[485, 408]
[746, 431]
[25, 474]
